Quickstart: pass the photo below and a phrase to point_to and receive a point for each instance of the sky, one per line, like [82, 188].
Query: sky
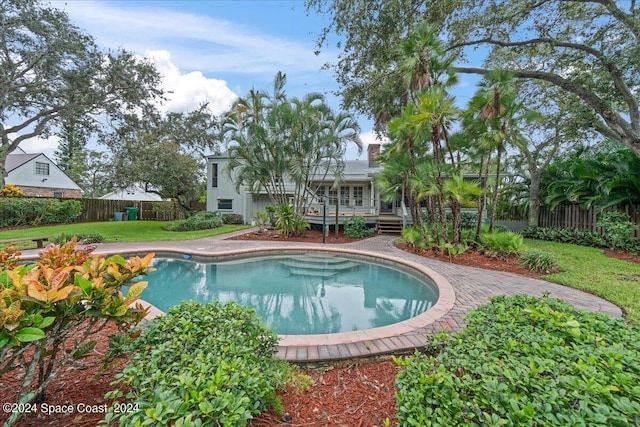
[214, 50]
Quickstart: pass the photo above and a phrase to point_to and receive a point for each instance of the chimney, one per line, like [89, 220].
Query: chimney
[373, 153]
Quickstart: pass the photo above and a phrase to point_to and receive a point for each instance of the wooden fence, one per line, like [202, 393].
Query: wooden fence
[571, 216]
[104, 210]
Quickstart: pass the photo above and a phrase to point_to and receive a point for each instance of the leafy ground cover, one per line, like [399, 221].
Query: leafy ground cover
[525, 361]
[200, 365]
[119, 231]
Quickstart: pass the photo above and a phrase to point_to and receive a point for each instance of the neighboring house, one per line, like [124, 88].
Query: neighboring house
[132, 193]
[356, 194]
[37, 176]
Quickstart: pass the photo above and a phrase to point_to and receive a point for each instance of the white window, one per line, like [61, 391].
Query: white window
[358, 195]
[42, 168]
[344, 196]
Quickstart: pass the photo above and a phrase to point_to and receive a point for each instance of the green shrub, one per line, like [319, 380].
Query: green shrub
[271, 214]
[501, 244]
[539, 262]
[260, 219]
[356, 227]
[200, 221]
[232, 218]
[620, 231]
[81, 238]
[415, 237]
[37, 211]
[565, 235]
[452, 250]
[208, 365]
[288, 221]
[523, 361]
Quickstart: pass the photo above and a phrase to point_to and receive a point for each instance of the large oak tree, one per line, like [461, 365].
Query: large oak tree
[52, 72]
[586, 48]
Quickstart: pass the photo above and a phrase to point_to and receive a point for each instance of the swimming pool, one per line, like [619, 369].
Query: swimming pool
[298, 294]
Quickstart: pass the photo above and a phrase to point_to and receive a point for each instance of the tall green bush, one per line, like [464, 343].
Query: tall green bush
[200, 221]
[37, 211]
[524, 361]
[207, 365]
[356, 227]
[619, 231]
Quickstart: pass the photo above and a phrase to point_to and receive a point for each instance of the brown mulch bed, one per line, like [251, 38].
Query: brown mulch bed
[310, 236]
[354, 394]
[472, 258]
[83, 383]
[624, 256]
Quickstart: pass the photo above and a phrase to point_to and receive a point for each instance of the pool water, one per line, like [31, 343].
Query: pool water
[297, 294]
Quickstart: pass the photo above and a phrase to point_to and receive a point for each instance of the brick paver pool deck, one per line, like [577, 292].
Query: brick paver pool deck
[461, 289]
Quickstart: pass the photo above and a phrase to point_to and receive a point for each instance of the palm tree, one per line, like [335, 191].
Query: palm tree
[424, 64]
[272, 137]
[459, 191]
[435, 112]
[496, 113]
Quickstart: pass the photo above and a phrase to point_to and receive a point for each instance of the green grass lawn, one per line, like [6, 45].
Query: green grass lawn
[118, 231]
[590, 270]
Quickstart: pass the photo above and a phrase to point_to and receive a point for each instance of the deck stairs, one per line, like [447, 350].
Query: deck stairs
[389, 224]
[313, 266]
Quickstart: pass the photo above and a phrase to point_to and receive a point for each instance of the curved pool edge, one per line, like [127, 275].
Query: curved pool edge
[398, 337]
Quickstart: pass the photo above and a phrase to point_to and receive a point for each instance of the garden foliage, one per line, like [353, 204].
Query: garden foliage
[200, 365]
[10, 190]
[288, 221]
[232, 218]
[618, 234]
[200, 221]
[619, 231]
[356, 227]
[501, 244]
[81, 238]
[67, 292]
[538, 261]
[36, 211]
[524, 361]
[565, 235]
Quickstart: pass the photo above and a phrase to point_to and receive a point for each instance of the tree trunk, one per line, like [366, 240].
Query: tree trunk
[483, 198]
[534, 200]
[494, 199]
[455, 214]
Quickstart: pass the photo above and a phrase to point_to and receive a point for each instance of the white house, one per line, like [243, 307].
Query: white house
[37, 176]
[356, 194]
[132, 193]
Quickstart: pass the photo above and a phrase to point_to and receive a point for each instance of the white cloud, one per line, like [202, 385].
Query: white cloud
[196, 42]
[186, 91]
[41, 145]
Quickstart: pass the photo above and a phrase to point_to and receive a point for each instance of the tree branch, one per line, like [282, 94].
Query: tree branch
[618, 14]
[614, 72]
[616, 123]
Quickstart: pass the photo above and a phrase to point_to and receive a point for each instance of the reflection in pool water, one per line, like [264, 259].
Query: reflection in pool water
[297, 294]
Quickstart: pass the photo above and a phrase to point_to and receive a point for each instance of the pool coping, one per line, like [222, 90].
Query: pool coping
[403, 336]
[471, 288]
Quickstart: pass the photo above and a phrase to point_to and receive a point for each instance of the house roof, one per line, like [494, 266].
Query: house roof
[14, 161]
[132, 193]
[354, 170]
